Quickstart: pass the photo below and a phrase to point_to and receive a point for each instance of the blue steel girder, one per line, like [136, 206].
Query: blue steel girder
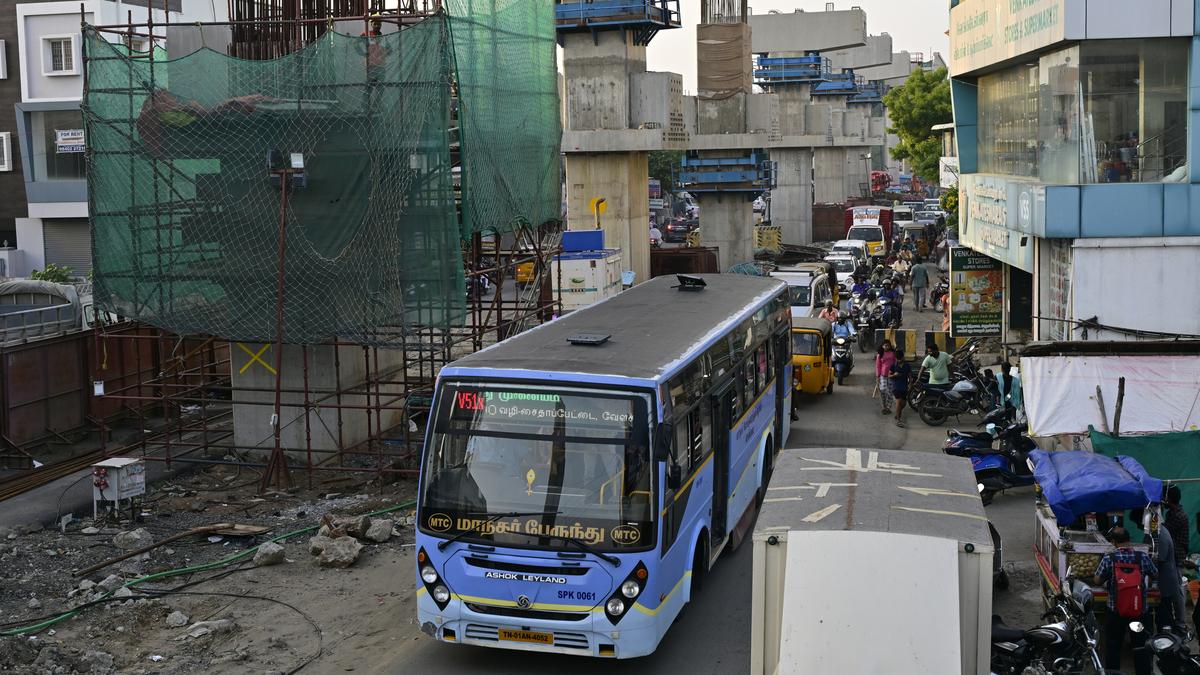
[645, 18]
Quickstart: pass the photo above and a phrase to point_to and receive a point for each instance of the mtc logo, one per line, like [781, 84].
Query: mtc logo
[468, 400]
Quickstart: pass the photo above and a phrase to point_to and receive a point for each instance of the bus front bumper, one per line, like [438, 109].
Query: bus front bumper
[592, 635]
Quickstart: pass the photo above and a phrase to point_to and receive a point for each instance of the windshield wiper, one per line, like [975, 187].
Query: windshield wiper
[491, 518]
[584, 546]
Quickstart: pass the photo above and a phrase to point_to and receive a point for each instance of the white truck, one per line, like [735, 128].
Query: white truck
[871, 561]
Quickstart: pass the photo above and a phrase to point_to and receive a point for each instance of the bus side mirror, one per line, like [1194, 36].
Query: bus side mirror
[674, 476]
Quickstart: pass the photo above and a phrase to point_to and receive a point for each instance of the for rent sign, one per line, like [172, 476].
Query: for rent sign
[983, 32]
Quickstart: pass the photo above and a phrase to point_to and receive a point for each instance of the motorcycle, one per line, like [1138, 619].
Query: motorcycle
[843, 358]
[1170, 648]
[939, 292]
[962, 367]
[865, 323]
[997, 425]
[889, 313]
[940, 403]
[1064, 645]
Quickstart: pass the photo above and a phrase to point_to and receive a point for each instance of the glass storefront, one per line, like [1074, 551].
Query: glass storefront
[1103, 111]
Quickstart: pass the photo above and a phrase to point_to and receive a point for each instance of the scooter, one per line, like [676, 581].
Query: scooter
[1170, 647]
[999, 471]
[996, 424]
[890, 314]
[843, 358]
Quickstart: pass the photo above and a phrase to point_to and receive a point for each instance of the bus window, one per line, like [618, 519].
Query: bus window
[761, 362]
[719, 358]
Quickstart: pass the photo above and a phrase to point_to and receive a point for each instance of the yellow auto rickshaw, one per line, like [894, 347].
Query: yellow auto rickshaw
[812, 356]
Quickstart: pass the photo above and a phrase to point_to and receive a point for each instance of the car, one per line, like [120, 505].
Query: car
[844, 264]
[676, 231]
[856, 248]
[927, 216]
[806, 293]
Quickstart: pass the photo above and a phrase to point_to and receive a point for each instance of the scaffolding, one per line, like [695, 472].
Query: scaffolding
[189, 188]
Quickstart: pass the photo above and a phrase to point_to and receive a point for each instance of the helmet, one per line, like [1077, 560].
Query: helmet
[879, 268]
[872, 294]
[887, 282]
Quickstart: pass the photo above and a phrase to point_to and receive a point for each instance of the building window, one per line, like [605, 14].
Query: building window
[6, 151]
[58, 55]
[1103, 111]
[58, 145]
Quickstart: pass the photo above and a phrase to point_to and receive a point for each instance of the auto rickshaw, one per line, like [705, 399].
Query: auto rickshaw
[812, 353]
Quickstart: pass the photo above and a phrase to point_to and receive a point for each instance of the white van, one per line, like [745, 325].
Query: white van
[806, 293]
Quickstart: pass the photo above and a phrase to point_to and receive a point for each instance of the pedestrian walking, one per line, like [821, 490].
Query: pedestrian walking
[900, 374]
[1009, 386]
[885, 357]
[1131, 568]
[919, 277]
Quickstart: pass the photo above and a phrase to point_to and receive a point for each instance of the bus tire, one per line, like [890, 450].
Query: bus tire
[767, 471]
[699, 565]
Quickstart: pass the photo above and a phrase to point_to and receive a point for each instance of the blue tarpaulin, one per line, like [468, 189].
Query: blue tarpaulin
[1079, 482]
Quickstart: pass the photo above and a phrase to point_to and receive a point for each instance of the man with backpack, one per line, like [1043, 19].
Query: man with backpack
[1125, 572]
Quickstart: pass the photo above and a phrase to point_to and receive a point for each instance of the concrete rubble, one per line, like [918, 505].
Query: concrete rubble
[340, 552]
[269, 553]
[133, 539]
[177, 619]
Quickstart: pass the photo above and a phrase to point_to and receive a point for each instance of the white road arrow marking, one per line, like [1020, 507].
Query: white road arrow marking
[817, 516]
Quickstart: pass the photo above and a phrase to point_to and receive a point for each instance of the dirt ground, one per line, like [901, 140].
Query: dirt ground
[264, 619]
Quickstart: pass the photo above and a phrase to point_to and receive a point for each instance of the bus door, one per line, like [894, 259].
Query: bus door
[724, 404]
[781, 351]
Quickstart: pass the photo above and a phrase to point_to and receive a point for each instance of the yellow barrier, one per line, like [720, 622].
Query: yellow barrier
[768, 238]
[914, 342]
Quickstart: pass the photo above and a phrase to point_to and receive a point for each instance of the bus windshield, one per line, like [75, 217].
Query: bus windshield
[866, 233]
[579, 458]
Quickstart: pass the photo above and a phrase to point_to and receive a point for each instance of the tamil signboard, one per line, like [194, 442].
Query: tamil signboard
[976, 294]
[68, 140]
[984, 32]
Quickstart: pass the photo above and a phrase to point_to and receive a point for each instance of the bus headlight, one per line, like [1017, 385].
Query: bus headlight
[615, 606]
[441, 594]
[428, 574]
[630, 589]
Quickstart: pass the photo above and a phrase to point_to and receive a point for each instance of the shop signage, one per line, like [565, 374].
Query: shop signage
[999, 215]
[984, 32]
[976, 294]
[68, 140]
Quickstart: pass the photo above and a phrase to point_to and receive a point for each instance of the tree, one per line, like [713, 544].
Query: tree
[662, 163]
[59, 275]
[950, 206]
[914, 107]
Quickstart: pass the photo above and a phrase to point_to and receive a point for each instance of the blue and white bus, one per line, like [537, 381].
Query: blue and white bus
[579, 479]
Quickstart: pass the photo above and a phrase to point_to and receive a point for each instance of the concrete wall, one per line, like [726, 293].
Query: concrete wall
[800, 31]
[252, 423]
[657, 99]
[838, 173]
[721, 116]
[898, 70]
[792, 198]
[623, 179]
[876, 52]
[35, 55]
[598, 79]
[727, 222]
[1113, 278]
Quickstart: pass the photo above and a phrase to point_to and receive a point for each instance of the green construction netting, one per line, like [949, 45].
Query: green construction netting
[508, 79]
[1170, 457]
[186, 208]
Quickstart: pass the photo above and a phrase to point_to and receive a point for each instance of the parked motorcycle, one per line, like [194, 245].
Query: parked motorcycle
[1170, 647]
[1067, 644]
[843, 358]
[940, 403]
[997, 424]
[962, 367]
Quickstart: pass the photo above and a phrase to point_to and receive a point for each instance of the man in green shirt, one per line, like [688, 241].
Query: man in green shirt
[937, 363]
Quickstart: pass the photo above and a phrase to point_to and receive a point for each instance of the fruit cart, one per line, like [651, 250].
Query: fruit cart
[1078, 494]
